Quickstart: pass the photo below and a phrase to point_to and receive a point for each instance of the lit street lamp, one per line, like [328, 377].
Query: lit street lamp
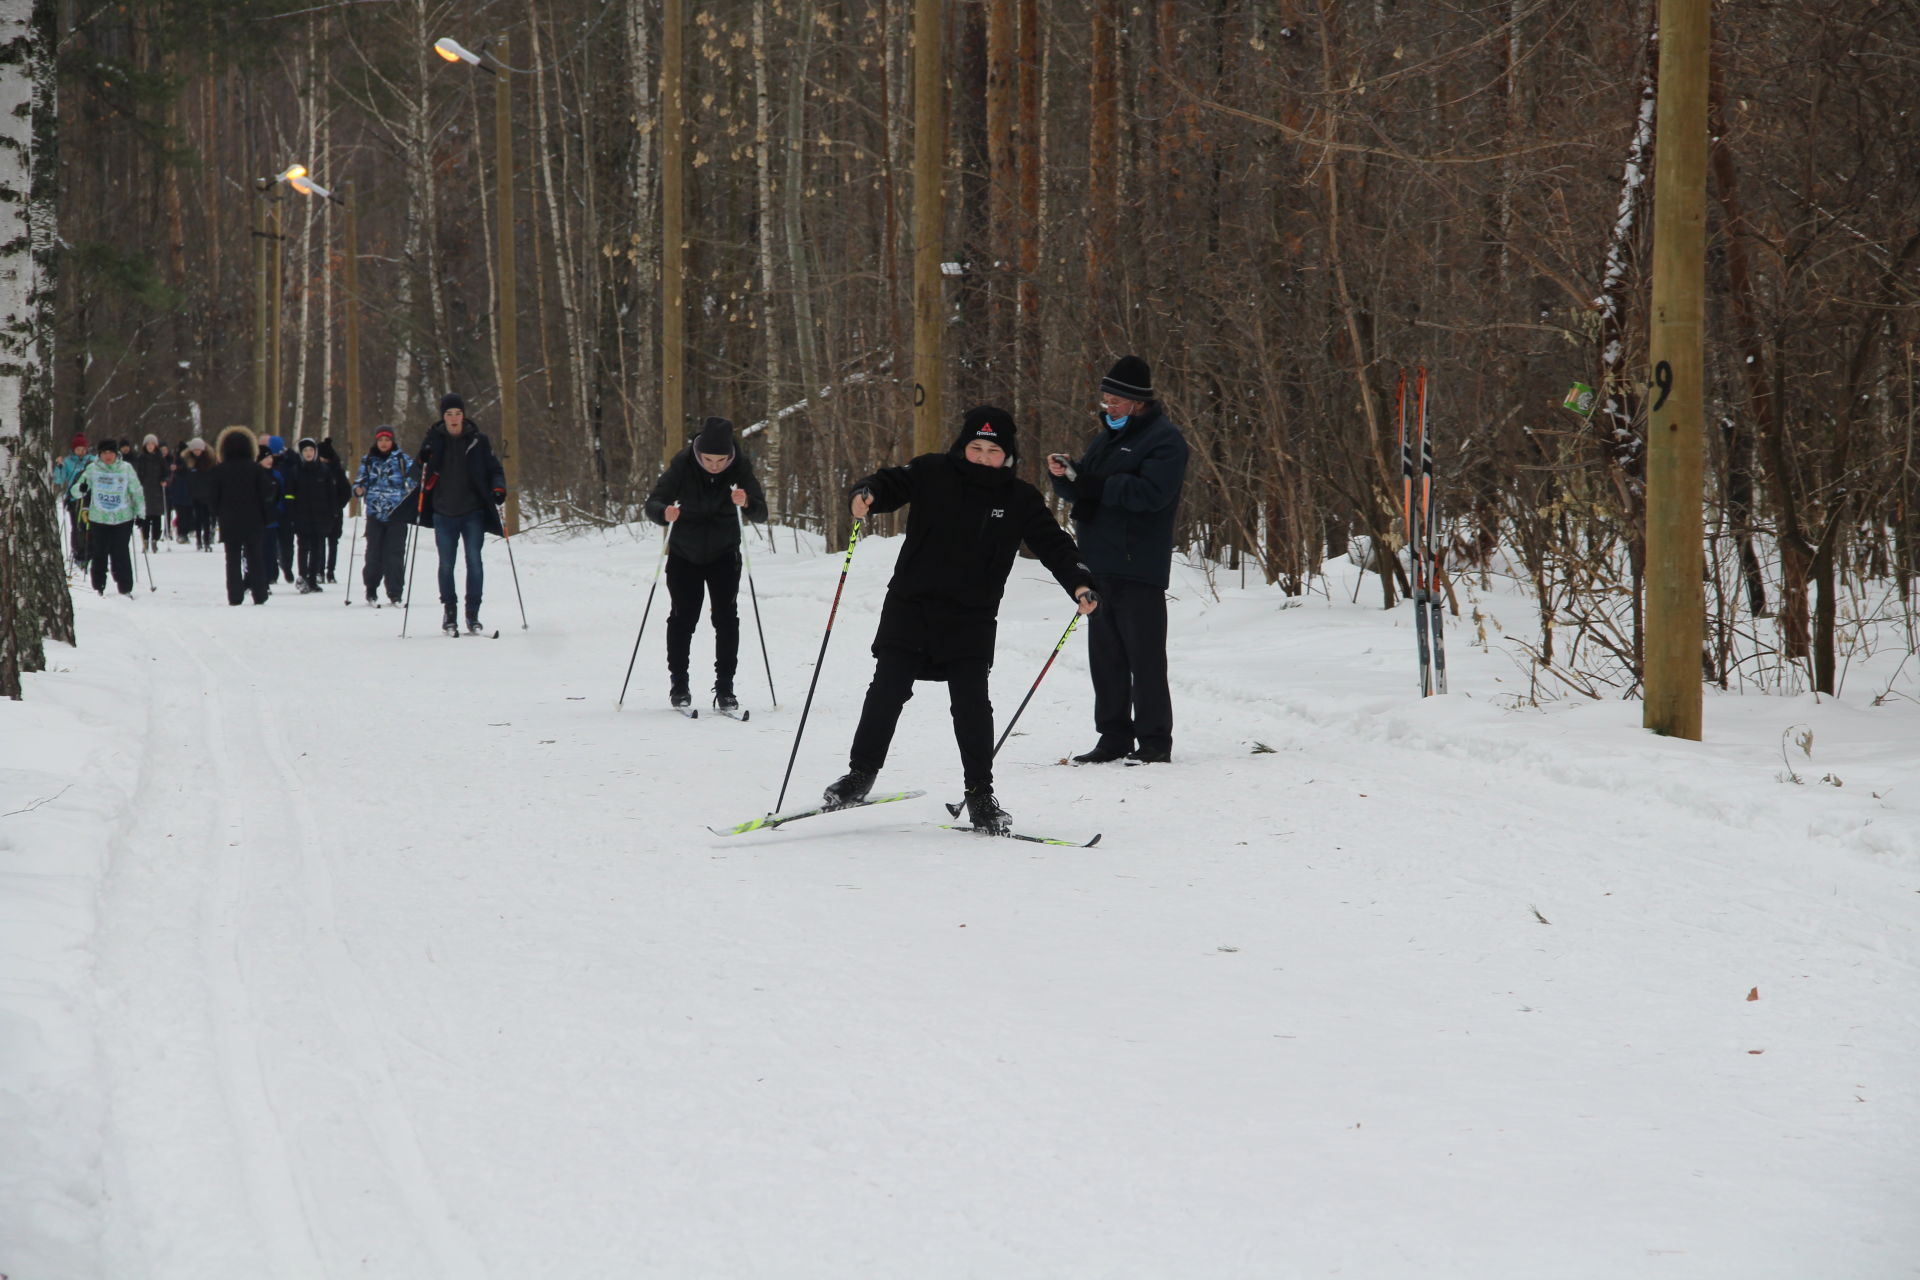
[266, 308]
[306, 186]
[509, 354]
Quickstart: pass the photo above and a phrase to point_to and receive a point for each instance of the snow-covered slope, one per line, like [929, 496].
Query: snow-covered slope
[334, 954]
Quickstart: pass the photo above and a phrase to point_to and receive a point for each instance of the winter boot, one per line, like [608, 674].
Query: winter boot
[723, 699]
[985, 813]
[373, 597]
[1104, 752]
[1151, 755]
[851, 789]
[680, 696]
[473, 625]
[449, 618]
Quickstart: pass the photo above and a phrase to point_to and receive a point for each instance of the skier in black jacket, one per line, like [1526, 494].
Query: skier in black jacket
[462, 486]
[696, 496]
[342, 495]
[315, 504]
[241, 495]
[1125, 490]
[969, 514]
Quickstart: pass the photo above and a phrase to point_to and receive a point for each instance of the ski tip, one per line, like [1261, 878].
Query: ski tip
[745, 716]
[1096, 840]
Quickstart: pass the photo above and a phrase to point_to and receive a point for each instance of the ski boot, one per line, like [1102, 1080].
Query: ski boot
[986, 815]
[473, 625]
[449, 621]
[680, 696]
[373, 598]
[851, 789]
[723, 699]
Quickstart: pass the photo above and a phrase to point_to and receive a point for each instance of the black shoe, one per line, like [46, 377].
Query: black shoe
[1103, 753]
[373, 597]
[449, 619]
[330, 578]
[681, 697]
[392, 600]
[986, 815]
[474, 627]
[851, 789]
[1151, 755]
[723, 699]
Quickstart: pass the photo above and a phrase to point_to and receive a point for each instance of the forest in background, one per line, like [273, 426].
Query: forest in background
[1278, 203]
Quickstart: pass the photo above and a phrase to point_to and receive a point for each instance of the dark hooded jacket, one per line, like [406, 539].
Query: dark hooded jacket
[1125, 494]
[316, 495]
[240, 492]
[707, 529]
[965, 524]
[483, 473]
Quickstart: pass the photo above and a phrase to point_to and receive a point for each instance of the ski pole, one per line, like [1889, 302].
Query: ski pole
[352, 547]
[853, 541]
[516, 571]
[740, 516]
[643, 617]
[413, 562]
[149, 560]
[1006, 733]
[1428, 516]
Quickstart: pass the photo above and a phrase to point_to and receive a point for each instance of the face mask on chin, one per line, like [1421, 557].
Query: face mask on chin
[1115, 424]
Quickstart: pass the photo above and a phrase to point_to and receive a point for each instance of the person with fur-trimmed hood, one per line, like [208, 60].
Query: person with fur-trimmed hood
[696, 497]
[968, 515]
[115, 503]
[241, 496]
[382, 481]
[462, 487]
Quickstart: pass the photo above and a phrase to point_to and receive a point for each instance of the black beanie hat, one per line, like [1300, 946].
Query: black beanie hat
[107, 445]
[715, 438]
[451, 401]
[1130, 378]
[990, 424]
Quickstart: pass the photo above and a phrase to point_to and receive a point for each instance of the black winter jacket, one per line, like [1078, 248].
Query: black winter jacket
[483, 469]
[318, 490]
[240, 492]
[152, 469]
[1125, 495]
[965, 525]
[707, 530]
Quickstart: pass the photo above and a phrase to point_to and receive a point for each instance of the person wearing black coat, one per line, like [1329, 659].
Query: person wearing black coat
[1125, 491]
[696, 497]
[461, 485]
[150, 463]
[968, 515]
[316, 504]
[241, 495]
[342, 494]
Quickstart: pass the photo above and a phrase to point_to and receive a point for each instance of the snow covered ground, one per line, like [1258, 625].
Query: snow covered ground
[324, 953]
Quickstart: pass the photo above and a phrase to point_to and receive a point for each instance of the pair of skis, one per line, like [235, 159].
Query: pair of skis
[772, 820]
[1423, 538]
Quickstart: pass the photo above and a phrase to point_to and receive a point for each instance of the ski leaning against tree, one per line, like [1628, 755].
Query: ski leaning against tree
[463, 486]
[967, 515]
[1125, 490]
[383, 483]
[241, 496]
[698, 496]
[113, 504]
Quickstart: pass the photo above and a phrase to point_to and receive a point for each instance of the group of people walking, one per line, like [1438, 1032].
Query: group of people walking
[968, 514]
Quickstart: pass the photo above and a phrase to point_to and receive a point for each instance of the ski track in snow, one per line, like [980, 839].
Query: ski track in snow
[415, 960]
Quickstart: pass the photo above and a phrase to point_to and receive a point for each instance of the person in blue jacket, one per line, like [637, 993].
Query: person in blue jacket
[382, 482]
[65, 472]
[1125, 491]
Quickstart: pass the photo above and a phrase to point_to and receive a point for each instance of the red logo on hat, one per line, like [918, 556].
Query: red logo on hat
[986, 429]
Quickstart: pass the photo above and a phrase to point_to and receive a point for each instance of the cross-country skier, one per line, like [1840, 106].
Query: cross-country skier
[342, 494]
[697, 496]
[315, 503]
[968, 514]
[114, 502]
[382, 481]
[65, 472]
[465, 486]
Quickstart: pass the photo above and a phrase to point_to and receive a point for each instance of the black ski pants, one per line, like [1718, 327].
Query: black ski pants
[112, 545]
[718, 584]
[893, 677]
[1127, 658]
[78, 529]
[283, 536]
[313, 555]
[249, 568]
[386, 556]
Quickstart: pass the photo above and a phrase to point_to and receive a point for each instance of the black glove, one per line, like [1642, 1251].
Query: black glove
[499, 497]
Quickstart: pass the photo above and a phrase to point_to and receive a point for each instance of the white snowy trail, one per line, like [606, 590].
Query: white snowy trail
[413, 958]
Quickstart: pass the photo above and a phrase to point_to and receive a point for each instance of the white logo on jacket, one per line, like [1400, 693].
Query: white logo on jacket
[999, 512]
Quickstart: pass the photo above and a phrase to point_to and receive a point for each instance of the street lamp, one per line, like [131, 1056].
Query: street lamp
[266, 318]
[509, 354]
[306, 186]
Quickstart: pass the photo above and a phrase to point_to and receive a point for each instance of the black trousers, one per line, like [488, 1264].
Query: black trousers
[202, 524]
[78, 530]
[719, 585]
[313, 554]
[386, 556]
[333, 552]
[283, 534]
[1127, 657]
[112, 544]
[893, 675]
[153, 524]
[249, 568]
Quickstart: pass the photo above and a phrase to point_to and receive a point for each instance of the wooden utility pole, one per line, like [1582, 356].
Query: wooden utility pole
[275, 405]
[508, 286]
[929, 221]
[1676, 432]
[673, 317]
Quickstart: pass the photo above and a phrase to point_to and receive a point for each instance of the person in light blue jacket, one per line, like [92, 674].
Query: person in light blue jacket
[382, 481]
[114, 503]
[65, 472]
